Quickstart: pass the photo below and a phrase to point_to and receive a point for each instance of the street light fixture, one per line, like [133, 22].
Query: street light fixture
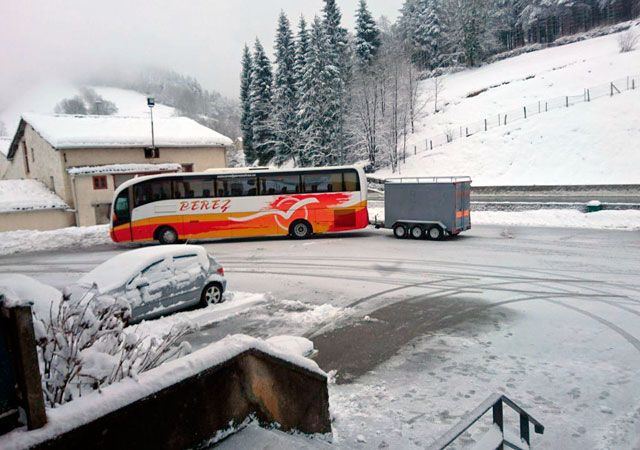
[151, 103]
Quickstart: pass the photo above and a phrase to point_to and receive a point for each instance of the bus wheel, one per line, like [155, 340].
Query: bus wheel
[300, 229]
[167, 235]
[435, 233]
[400, 231]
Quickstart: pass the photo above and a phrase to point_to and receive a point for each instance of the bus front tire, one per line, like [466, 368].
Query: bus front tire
[300, 229]
[167, 235]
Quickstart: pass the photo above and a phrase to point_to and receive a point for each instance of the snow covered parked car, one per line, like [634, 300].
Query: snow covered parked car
[156, 281]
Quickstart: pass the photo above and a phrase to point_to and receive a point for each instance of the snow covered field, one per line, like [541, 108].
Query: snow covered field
[589, 143]
[418, 333]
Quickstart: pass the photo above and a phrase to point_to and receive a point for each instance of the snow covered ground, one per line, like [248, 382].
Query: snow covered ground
[588, 143]
[25, 241]
[418, 333]
[559, 218]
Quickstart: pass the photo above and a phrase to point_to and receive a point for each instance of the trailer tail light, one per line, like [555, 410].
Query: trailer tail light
[220, 271]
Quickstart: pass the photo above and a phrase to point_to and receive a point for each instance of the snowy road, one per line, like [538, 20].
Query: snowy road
[420, 332]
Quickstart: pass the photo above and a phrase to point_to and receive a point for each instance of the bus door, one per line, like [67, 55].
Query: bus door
[121, 219]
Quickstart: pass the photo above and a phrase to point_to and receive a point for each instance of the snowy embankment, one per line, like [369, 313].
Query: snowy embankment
[558, 218]
[587, 143]
[23, 241]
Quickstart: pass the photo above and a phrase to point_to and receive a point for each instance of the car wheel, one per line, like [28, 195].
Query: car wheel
[167, 235]
[400, 231]
[416, 232]
[211, 295]
[435, 233]
[300, 229]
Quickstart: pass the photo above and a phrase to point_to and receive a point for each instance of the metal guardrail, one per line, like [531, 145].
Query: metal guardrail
[494, 402]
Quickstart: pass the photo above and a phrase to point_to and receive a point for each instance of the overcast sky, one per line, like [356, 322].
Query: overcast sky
[44, 39]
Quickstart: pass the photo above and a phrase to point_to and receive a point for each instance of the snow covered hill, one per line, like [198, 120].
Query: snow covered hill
[44, 97]
[588, 143]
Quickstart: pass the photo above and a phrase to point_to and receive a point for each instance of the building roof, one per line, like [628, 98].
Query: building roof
[68, 131]
[125, 168]
[5, 143]
[27, 195]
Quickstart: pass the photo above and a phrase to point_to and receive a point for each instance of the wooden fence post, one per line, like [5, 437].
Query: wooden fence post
[546, 107]
[588, 95]
[431, 144]
[567, 101]
[505, 119]
[25, 359]
[485, 124]
[525, 111]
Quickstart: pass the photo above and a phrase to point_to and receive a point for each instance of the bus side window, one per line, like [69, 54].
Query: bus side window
[279, 184]
[240, 186]
[322, 182]
[351, 181]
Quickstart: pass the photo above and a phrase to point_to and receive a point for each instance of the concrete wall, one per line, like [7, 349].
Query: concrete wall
[189, 413]
[41, 219]
[87, 198]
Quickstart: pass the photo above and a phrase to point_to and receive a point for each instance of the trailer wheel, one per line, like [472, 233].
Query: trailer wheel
[416, 232]
[400, 231]
[435, 233]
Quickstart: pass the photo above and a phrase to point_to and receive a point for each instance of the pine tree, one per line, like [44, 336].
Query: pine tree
[336, 76]
[245, 106]
[428, 36]
[367, 39]
[261, 107]
[320, 107]
[302, 51]
[302, 48]
[284, 94]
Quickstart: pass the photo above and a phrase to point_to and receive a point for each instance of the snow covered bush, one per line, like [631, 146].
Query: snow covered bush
[628, 40]
[84, 345]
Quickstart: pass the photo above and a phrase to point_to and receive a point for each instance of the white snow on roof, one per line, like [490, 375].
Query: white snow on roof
[125, 168]
[5, 142]
[76, 131]
[27, 195]
[120, 269]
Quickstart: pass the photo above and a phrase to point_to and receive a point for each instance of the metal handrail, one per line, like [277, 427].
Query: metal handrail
[438, 179]
[494, 401]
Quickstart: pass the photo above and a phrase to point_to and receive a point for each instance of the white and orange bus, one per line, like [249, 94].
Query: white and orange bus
[239, 203]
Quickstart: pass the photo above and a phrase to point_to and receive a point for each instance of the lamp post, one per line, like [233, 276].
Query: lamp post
[151, 103]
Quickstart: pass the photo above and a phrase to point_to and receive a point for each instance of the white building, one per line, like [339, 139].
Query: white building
[82, 159]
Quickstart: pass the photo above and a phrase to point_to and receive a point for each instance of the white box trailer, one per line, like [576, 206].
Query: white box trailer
[427, 207]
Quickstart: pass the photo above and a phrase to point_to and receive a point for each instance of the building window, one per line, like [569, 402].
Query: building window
[187, 167]
[26, 158]
[100, 182]
[152, 152]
